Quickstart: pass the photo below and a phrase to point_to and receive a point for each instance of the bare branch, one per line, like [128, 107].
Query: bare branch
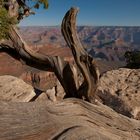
[18, 49]
[83, 60]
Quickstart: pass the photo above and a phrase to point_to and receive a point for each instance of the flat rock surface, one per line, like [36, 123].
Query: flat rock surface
[120, 89]
[14, 89]
[71, 119]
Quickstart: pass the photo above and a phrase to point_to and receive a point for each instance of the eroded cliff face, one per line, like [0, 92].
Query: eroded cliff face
[117, 40]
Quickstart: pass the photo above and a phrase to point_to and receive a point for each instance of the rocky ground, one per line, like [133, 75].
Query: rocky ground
[34, 115]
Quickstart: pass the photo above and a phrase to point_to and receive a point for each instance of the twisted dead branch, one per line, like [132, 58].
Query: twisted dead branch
[17, 48]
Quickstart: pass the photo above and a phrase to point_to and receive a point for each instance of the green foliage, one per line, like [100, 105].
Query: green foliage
[41, 2]
[5, 23]
[133, 59]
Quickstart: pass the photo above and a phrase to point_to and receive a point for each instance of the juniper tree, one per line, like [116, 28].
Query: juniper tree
[133, 59]
[12, 12]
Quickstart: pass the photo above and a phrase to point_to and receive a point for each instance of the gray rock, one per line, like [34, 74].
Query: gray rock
[120, 89]
[56, 93]
[15, 90]
[51, 94]
[42, 97]
[60, 93]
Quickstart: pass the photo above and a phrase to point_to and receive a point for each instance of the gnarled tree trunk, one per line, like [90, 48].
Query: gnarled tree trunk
[83, 60]
[71, 119]
[16, 47]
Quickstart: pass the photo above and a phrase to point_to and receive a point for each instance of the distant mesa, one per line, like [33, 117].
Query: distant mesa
[109, 42]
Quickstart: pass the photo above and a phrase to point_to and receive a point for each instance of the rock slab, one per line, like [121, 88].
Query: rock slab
[15, 90]
[120, 90]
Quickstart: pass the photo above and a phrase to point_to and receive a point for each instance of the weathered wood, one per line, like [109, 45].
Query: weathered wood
[17, 48]
[71, 119]
[83, 60]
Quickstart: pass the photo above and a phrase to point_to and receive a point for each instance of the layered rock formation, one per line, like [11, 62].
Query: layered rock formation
[117, 40]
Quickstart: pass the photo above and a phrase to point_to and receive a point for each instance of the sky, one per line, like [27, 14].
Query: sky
[92, 13]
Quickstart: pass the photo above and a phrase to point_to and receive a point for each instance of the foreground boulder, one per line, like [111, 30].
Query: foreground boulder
[14, 89]
[71, 119]
[120, 90]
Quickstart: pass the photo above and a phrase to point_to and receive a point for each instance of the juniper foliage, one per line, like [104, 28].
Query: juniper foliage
[6, 21]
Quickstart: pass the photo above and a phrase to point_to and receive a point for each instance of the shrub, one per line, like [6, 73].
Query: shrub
[5, 22]
[133, 59]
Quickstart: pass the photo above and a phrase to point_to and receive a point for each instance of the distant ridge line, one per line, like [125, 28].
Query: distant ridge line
[58, 26]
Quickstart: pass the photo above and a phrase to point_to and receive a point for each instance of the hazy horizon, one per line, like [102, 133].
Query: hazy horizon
[79, 26]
